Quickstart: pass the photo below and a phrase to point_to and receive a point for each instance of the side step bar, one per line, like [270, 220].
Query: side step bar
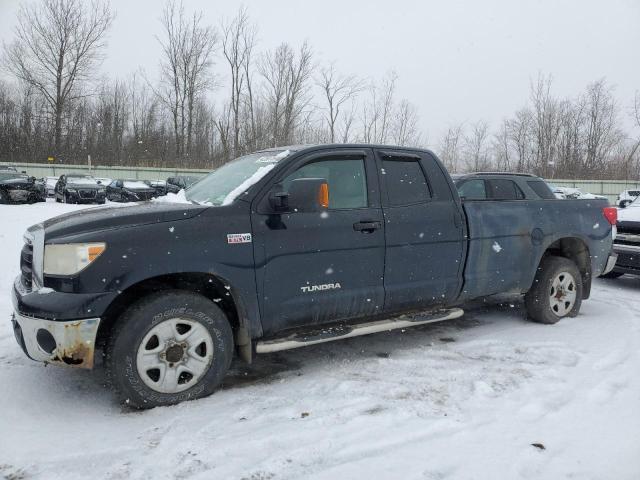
[339, 332]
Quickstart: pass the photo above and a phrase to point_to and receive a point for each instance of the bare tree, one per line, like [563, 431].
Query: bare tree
[450, 147]
[404, 127]
[58, 45]
[521, 135]
[378, 110]
[337, 90]
[545, 124]
[287, 77]
[635, 147]
[238, 42]
[188, 49]
[477, 155]
[602, 133]
[502, 148]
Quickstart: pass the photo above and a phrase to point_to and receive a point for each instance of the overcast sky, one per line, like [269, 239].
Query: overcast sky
[456, 61]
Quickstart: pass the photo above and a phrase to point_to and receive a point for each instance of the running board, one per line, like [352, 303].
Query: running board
[339, 332]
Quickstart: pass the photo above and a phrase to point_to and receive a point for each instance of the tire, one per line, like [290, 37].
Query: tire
[612, 274]
[145, 362]
[4, 198]
[555, 274]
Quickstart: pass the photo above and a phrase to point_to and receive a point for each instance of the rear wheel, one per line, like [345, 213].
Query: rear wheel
[556, 291]
[167, 348]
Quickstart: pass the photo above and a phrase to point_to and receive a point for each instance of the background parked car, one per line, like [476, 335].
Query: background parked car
[103, 180]
[160, 186]
[19, 188]
[79, 189]
[50, 186]
[175, 184]
[8, 168]
[575, 194]
[627, 197]
[627, 241]
[130, 191]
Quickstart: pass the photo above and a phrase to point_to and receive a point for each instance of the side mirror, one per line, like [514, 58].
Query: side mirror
[304, 195]
[24, 171]
[99, 182]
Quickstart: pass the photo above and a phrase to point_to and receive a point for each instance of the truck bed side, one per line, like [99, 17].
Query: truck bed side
[507, 239]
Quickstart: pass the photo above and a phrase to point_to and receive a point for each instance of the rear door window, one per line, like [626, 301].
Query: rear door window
[504, 189]
[541, 189]
[405, 182]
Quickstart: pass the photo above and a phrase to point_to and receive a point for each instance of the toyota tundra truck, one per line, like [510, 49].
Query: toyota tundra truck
[289, 247]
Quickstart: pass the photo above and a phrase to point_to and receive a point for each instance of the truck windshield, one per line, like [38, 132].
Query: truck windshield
[224, 185]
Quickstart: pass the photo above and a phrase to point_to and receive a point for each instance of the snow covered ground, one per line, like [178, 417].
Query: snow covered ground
[462, 400]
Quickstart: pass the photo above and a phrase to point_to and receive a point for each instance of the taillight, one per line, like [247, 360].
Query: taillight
[611, 214]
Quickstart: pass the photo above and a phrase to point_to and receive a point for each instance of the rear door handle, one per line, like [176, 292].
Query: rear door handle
[367, 226]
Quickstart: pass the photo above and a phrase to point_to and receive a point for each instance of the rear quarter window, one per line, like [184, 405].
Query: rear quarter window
[541, 189]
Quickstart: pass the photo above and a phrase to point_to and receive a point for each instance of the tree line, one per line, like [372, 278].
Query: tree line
[581, 137]
[219, 96]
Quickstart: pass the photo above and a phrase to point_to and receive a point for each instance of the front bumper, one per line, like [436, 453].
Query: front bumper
[611, 263]
[628, 259]
[69, 343]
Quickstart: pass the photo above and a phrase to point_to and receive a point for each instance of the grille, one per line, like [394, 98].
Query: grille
[629, 227]
[26, 266]
[87, 193]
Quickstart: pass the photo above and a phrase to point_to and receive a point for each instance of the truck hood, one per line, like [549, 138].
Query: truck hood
[111, 217]
[629, 214]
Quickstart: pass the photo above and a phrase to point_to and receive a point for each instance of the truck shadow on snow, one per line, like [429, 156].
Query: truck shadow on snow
[268, 368]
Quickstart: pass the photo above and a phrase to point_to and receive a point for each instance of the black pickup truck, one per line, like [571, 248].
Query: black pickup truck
[290, 247]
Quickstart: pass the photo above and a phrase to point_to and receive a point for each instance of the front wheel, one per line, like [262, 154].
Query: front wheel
[556, 291]
[169, 347]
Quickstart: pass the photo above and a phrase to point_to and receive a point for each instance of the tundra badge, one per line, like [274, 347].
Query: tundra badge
[317, 288]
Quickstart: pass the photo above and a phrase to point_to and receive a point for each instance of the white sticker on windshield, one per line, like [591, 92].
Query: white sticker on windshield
[238, 238]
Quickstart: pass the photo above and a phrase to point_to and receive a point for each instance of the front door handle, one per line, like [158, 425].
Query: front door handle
[367, 226]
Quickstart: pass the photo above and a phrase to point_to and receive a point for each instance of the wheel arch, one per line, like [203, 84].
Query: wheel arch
[211, 286]
[575, 249]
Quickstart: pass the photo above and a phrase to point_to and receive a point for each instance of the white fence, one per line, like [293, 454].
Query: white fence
[608, 188]
[139, 173]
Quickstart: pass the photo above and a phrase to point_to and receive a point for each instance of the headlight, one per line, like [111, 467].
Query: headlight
[71, 190]
[70, 258]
